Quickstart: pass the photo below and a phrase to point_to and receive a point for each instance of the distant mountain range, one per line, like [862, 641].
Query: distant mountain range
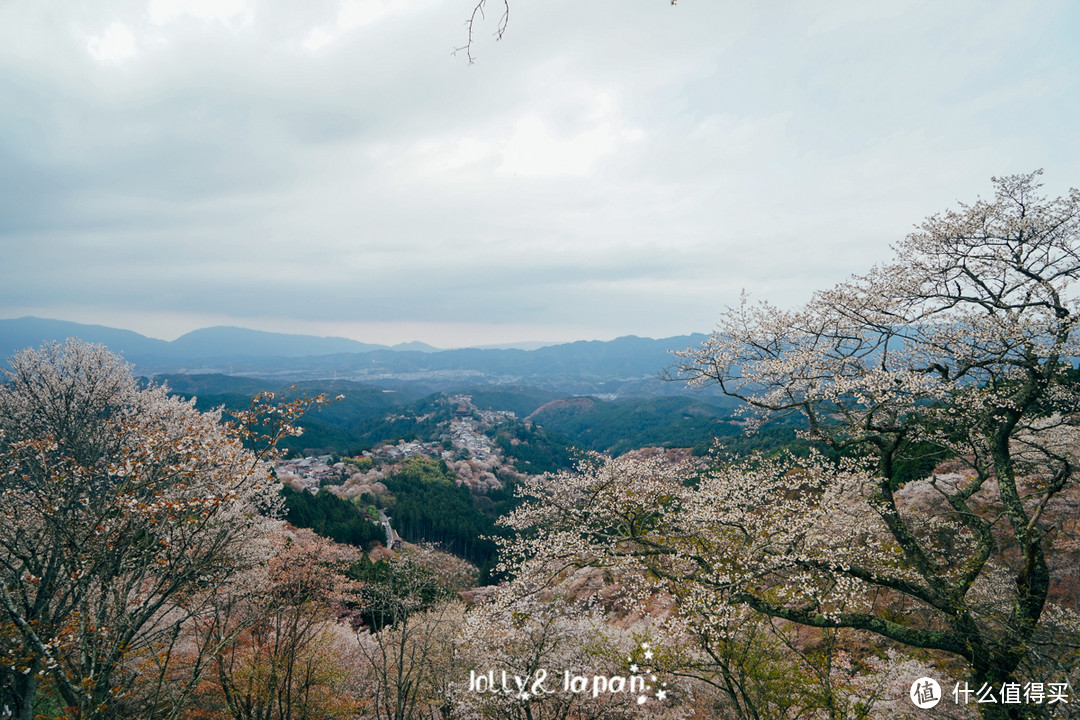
[212, 342]
[626, 365]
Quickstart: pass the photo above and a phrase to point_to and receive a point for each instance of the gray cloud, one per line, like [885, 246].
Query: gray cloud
[609, 167]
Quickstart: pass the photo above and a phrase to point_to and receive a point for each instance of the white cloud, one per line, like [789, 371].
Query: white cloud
[451, 155]
[355, 14]
[114, 46]
[533, 150]
[231, 13]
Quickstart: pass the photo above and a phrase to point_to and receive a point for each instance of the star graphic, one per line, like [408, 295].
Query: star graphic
[661, 694]
[634, 668]
[525, 696]
[648, 654]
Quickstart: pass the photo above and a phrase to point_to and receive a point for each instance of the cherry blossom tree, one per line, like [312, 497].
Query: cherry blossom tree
[959, 349]
[122, 511]
[963, 345]
[284, 655]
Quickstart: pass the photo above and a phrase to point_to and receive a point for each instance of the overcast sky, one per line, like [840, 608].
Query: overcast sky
[609, 167]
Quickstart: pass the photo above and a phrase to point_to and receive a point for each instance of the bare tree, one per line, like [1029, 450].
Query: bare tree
[478, 14]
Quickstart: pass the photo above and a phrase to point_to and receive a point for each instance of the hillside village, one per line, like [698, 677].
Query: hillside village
[464, 445]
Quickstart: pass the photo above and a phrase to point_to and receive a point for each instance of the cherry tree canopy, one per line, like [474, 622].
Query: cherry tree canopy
[959, 350]
[122, 511]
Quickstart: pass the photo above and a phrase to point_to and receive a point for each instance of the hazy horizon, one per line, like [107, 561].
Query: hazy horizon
[522, 345]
